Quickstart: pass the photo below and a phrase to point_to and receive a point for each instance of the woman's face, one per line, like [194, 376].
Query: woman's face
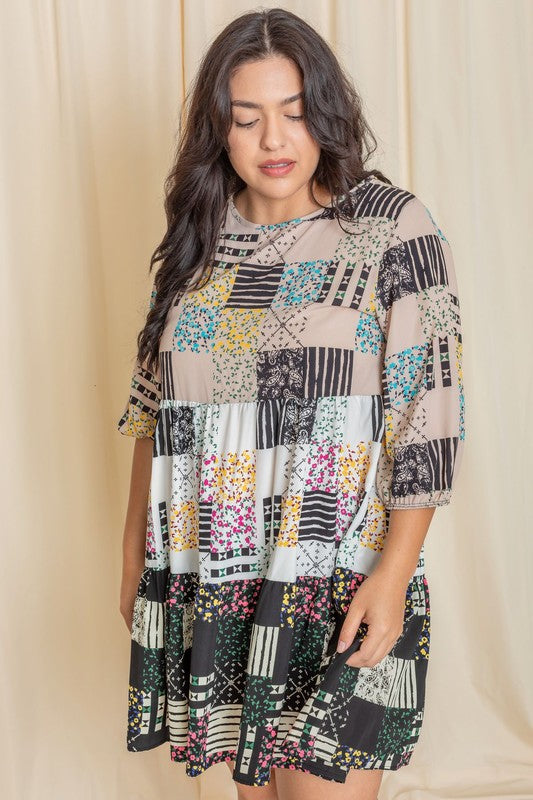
[263, 129]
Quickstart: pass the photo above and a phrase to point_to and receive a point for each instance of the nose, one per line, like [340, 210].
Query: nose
[272, 137]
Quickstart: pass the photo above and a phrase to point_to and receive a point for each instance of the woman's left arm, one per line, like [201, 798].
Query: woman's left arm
[380, 599]
[405, 537]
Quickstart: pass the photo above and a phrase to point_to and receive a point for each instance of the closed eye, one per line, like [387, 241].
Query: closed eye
[249, 124]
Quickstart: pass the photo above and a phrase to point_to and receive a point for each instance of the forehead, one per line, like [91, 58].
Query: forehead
[272, 81]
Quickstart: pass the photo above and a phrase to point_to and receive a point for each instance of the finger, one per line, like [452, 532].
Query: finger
[375, 640]
[350, 627]
[376, 657]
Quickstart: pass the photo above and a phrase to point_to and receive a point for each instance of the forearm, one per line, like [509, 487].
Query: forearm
[406, 534]
[134, 539]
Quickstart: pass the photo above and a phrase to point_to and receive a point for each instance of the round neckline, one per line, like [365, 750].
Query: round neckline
[272, 226]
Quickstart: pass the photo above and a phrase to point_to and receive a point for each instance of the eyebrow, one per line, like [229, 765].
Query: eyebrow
[249, 104]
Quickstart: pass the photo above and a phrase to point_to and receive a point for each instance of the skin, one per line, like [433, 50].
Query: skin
[380, 600]
[274, 132]
[133, 540]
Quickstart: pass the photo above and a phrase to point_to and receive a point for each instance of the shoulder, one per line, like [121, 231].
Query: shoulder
[406, 214]
[374, 198]
[416, 255]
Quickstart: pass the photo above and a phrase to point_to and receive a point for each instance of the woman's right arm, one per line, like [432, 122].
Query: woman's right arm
[134, 538]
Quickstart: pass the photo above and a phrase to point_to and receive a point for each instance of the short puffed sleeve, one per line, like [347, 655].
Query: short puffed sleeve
[417, 304]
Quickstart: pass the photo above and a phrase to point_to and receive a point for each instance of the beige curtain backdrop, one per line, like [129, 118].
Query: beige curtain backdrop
[91, 92]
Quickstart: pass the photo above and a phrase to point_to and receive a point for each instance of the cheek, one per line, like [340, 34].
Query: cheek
[312, 152]
[238, 147]
[307, 145]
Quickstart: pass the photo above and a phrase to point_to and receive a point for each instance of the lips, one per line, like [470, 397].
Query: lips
[277, 169]
[278, 163]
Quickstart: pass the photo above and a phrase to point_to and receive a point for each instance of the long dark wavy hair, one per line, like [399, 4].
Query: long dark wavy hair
[201, 179]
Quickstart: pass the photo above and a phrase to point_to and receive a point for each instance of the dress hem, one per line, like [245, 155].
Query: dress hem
[308, 766]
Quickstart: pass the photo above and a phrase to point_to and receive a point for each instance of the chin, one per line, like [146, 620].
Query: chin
[279, 187]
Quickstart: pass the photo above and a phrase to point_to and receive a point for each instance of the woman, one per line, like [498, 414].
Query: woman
[298, 410]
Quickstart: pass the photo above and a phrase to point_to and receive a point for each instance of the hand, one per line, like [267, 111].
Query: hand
[380, 602]
[128, 591]
[126, 609]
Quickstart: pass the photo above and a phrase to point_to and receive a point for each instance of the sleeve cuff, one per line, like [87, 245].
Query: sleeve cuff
[441, 497]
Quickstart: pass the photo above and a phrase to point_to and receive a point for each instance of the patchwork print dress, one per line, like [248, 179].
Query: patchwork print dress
[312, 386]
